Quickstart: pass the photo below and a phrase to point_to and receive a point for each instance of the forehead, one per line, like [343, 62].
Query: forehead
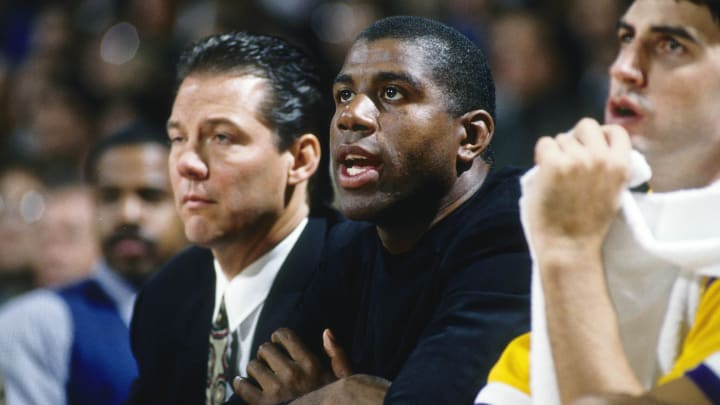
[644, 15]
[387, 55]
[59, 201]
[205, 94]
[135, 165]
[14, 183]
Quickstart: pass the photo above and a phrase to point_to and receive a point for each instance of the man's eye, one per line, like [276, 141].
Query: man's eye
[671, 46]
[625, 38]
[108, 195]
[222, 138]
[175, 139]
[391, 93]
[152, 195]
[344, 95]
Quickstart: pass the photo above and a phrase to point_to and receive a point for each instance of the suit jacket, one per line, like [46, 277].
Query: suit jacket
[171, 323]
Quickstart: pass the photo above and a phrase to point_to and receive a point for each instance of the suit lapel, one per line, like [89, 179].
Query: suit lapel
[191, 325]
[281, 304]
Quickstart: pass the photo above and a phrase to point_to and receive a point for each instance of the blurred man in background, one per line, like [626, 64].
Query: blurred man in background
[66, 234]
[71, 345]
[21, 206]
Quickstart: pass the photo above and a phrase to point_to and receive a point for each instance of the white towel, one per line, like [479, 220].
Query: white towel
[657, 250]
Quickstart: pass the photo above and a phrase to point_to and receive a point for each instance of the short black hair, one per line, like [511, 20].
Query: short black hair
[712, 5]
[295, 104]
[137, 132]
[455, 62]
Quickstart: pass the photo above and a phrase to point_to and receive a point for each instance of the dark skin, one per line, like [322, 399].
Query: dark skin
[285, 369]
[388, 110]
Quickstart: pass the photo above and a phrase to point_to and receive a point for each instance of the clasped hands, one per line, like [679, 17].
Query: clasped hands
[285, 369]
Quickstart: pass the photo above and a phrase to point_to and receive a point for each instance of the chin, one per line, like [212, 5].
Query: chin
[358, 211]
[197, 236]
[197, 230]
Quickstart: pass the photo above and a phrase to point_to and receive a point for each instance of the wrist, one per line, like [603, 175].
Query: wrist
[569, 261]
[566, 251]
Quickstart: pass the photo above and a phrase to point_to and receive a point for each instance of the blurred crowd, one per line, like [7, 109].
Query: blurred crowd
[73, 71]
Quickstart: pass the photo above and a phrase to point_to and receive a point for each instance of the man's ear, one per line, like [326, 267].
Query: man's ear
[478, 127]
[306, 158]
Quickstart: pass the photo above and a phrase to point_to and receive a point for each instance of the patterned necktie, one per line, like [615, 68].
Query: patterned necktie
[221, 359]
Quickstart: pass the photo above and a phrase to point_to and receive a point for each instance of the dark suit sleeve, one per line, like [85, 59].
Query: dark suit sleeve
[138, 348]
[485, 305]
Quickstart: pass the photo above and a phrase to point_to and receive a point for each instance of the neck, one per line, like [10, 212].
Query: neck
[680, 171]
[405, 226]
[235, 255]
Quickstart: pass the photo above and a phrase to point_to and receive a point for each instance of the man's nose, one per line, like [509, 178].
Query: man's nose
[358, 116]
[192, 165]
[629, 66]
[131, 208]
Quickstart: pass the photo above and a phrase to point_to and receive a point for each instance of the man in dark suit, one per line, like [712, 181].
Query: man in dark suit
[244, 133]
[423, 299]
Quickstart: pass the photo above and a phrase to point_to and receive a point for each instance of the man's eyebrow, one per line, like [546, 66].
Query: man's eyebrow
[213, 122]
[383, 77]
[622, 25]
[343, 78]
[210, 121]
[399, 77]
[673, 30]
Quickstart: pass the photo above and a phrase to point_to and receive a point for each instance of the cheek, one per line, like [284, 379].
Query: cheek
[175, 180]
[255, 190]
[104, 220]
[164, 215]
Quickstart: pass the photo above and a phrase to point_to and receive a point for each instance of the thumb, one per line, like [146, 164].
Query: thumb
[338, 358]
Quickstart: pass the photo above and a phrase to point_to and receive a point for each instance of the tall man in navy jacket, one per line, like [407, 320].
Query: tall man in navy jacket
[422, 300]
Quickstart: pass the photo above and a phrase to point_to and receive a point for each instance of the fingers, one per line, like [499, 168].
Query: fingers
[617, 136]
[299, 353]
[585, 141]
[589, 133]
[619, 141]
[247, 390]
[266, 378]
[546, 150]
[287, 339]
[338, 358]
[588, 144]
[579, 179]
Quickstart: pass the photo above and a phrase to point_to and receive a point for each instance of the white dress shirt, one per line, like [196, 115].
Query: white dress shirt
[245, 294]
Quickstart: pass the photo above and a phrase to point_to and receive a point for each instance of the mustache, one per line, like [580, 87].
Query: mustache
[638, 99]
[124, 232]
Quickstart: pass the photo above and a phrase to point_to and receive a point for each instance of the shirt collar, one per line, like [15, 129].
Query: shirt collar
[248, 289]
[120, 291]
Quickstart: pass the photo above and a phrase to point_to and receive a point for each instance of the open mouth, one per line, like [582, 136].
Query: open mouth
[355, 165]
[357, 168]
[625, 112]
